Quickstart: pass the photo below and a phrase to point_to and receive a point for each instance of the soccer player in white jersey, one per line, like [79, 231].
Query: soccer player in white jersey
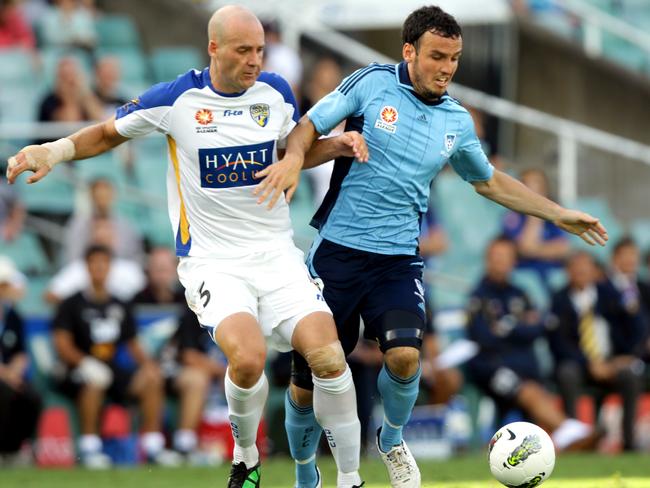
[370, 218]
[243, 276]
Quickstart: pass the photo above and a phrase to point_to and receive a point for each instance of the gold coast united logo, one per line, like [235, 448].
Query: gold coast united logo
[387, 117]
[260, 113]
[203, 116]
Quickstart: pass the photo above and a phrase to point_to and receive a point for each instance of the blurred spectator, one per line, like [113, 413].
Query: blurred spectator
[541, 245]
[15, 31]
[20, 405]
[126, 241]
[624, 275]
[125, 277]
[162, 285]
[593, 337]
[324, 78]
[12, 213]
[71, 100]
[503, 322]
[280, 58]
[87, 330]
[68, 24]
[190, 362]
[107, 84]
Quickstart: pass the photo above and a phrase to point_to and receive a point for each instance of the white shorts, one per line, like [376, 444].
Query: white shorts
[273, 286]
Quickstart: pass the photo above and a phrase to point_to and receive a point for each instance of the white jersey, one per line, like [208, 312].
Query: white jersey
[217, 141]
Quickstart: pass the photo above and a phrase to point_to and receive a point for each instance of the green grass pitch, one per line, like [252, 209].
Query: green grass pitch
[571, 471]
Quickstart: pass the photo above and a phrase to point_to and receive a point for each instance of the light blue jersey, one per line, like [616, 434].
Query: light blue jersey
[377, 206]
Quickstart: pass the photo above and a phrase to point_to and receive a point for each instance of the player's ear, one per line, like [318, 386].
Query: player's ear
[212, 47]
[408, 52]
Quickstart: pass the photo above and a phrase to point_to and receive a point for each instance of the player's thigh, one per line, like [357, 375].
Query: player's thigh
[240, 338]
[214, 294]
[394, 310]
[298, 301]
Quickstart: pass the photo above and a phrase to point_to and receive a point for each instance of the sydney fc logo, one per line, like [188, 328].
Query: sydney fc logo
[387, 117]
[450, 140]
[260, 113]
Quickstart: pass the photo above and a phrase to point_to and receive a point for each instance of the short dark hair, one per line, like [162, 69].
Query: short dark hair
[623, 242]
[97, 249]
[429, 19]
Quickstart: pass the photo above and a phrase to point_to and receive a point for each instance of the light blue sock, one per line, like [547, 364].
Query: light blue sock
[303, 433]
[398, 396]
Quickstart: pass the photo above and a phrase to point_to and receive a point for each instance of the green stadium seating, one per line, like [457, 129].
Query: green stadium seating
[105, 166]
[169, 62]
[133, 65]
[17, 66]
[117, 31]
[641, 233]
[27, 254]
[54, 194]
[530, 281]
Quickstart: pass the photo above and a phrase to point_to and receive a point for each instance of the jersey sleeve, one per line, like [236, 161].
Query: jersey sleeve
[129, 329]
[152, 110]
[345, 101]
[63, 318]
[469, 160]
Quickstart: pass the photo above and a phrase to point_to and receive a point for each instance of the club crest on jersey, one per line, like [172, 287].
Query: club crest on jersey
[450, 140]
[260, 113]
[229, 167]
[387, 117]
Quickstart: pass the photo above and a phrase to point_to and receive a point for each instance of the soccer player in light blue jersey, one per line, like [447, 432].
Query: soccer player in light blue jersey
[366, 253]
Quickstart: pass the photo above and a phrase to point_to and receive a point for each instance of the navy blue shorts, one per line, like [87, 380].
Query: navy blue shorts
[384, 290]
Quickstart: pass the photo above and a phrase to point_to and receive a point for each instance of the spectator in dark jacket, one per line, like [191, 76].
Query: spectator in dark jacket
[594, 338]
[505, 325]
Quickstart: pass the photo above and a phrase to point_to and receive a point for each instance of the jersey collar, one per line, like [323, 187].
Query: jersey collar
[404, 80]
[208, 82]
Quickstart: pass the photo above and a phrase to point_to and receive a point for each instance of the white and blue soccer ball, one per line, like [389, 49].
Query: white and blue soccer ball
[521, 455]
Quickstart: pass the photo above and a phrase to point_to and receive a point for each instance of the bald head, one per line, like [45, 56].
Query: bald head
[231, 18]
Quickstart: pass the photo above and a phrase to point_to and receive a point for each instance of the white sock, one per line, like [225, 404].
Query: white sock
[185, 440]
[335, 407]
[90, 443]
[152, 442]
[570, 431]
[245, 408]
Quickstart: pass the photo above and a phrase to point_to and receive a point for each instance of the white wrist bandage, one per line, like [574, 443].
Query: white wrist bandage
[60, 150]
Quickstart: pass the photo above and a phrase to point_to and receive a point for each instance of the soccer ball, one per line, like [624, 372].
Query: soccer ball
[521, 455]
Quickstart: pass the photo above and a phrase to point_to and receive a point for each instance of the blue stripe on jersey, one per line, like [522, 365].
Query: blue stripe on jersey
[342, 167]
[281, 85]
[348, 84]
[182, 249]
[165, 94]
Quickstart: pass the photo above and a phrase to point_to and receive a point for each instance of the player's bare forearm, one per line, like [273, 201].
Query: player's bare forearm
[351, 144]
[301, 139]
[96, 139]
[40, 159]
[511, 193]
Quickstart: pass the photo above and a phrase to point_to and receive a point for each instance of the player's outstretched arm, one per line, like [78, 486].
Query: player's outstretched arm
[40, 159]
[511, 193]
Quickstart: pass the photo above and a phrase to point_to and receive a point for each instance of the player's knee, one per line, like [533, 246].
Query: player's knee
[326, 361]
[246, 367]
[403, 362]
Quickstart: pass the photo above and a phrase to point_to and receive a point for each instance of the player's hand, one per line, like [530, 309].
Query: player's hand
[354, 145]
[30, 158]
[584, 225]
[278, 177]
